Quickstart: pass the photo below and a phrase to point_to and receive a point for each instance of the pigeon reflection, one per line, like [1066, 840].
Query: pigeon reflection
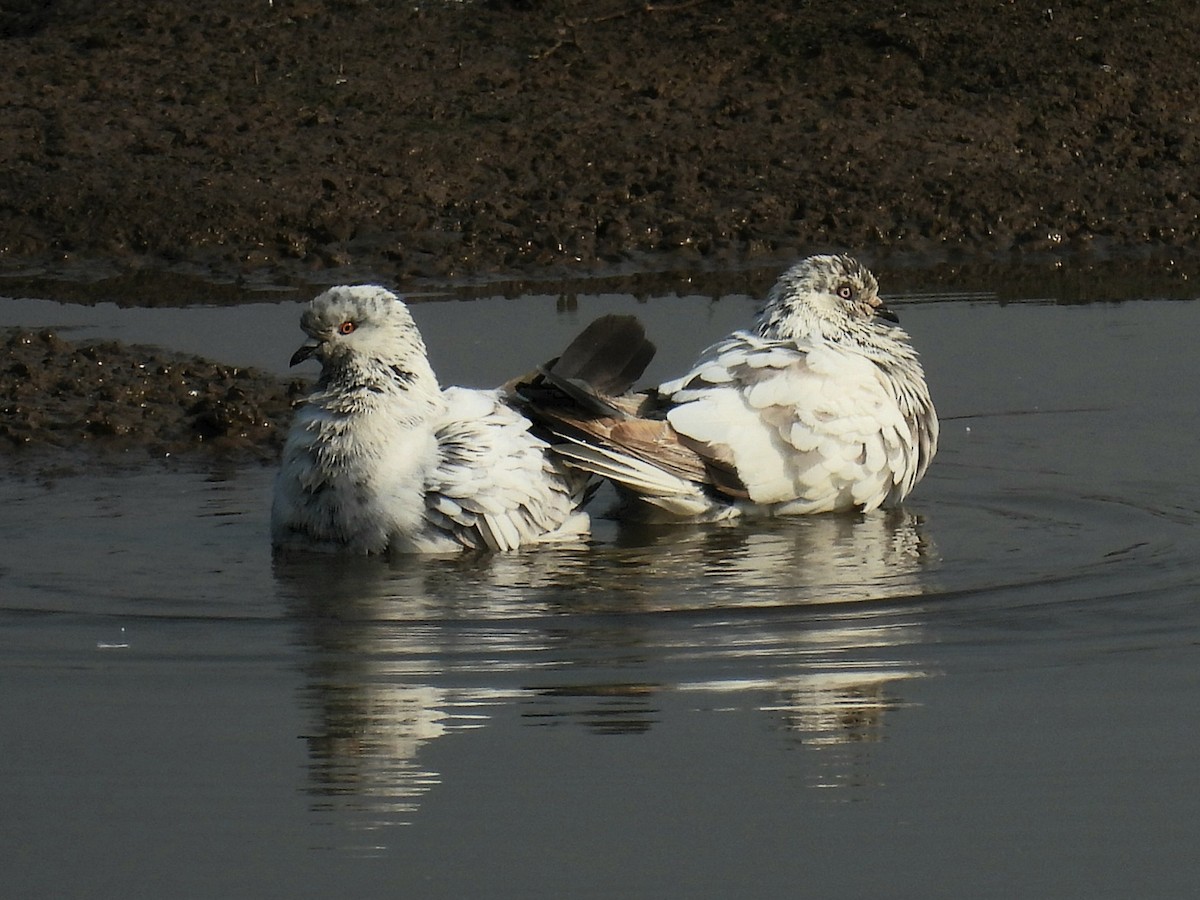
[400, 654]
[804, 621]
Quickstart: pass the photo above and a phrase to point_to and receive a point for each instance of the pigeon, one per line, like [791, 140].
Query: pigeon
[380, 459]
[821, 406]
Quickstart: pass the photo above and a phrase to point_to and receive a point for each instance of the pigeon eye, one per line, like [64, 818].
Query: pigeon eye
[845, 292]
[346, 327]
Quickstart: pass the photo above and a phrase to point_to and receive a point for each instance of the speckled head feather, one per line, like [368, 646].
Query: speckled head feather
[363, 334]
[826, 296]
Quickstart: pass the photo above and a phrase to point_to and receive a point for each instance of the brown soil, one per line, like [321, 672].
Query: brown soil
[555, 138]
[434, 138]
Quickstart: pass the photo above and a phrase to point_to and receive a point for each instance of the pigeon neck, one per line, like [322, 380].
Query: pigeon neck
[797, 326]
[357, 384]
[872, 337]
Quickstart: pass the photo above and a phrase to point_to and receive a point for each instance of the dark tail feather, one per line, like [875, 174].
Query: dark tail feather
[603, 362]
[609, 355]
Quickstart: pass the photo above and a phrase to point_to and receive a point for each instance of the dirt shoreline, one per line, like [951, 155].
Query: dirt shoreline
[300, 141]
[523, 136]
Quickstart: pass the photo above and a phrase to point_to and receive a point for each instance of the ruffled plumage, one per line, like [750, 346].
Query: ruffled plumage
[822, 406]
[380, 458]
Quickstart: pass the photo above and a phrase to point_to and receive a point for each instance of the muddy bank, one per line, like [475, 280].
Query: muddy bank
[435, 139]
[116, 399]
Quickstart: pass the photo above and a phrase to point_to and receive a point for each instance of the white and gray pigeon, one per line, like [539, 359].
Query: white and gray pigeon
[821, 406]
[381, 459]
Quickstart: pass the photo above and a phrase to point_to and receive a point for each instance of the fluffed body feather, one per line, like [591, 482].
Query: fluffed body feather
[380, 458]
[822, 406]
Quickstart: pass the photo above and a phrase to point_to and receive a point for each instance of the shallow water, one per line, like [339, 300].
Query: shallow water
[990, 693]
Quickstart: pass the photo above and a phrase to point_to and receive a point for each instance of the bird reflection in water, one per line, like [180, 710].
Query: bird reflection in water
[802, 622]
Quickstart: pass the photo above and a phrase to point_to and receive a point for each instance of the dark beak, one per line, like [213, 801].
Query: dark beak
[308, 351]
[883, 312]
[880, 310]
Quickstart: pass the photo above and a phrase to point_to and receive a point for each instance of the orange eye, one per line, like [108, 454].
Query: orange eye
[346, 327]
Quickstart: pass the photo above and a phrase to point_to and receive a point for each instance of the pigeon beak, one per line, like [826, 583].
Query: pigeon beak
[881, 310]
[887, 315]
[308, 351]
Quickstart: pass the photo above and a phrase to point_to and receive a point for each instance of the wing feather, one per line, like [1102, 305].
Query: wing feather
[493, 486]
[807, 424]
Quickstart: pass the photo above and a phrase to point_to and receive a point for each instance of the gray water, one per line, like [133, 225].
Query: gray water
[993, 692]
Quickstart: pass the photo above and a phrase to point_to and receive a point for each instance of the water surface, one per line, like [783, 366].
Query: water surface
[989, 693]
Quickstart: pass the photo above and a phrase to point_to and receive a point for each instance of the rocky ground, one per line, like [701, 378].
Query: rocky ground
[556, 137]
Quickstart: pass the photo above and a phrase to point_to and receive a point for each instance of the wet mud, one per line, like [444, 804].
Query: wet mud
[439, 138]
[138, 402]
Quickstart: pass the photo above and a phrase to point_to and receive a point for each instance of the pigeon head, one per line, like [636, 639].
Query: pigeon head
[831, 296]
[357, 325]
